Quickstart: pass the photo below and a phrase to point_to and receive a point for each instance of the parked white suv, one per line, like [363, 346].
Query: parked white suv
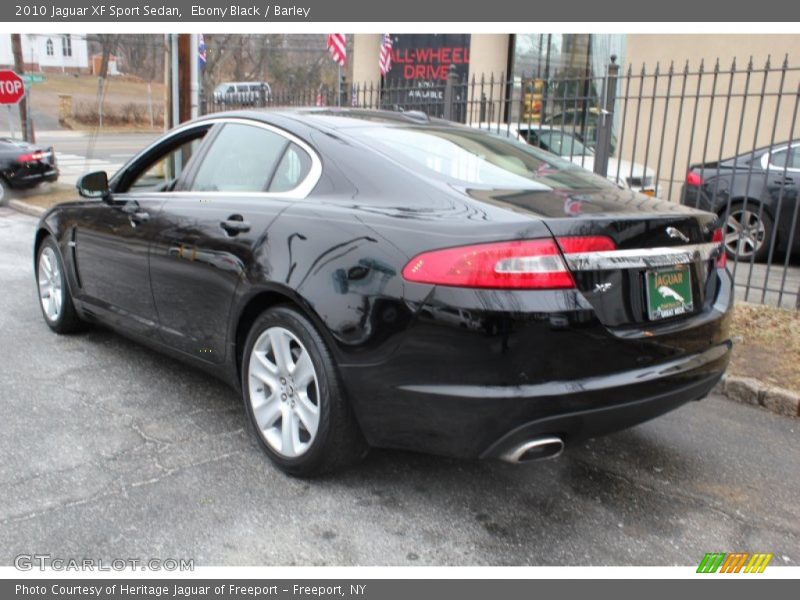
[244, 93]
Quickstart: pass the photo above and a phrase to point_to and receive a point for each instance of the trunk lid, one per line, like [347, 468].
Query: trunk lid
[662, 267]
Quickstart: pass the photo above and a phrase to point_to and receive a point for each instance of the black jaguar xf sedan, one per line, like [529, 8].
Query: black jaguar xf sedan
[371, 278]
[758, 192]
[24, 165]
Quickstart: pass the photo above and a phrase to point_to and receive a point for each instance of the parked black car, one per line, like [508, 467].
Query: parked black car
[372, 278]
[24, 165]
[761, 187]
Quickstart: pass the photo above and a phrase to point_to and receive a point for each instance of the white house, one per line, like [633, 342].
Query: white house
[50, 52]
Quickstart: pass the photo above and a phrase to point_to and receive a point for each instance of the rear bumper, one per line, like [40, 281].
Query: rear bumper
[479, 386]
[482, 421]
[32, 179]
[651, 401]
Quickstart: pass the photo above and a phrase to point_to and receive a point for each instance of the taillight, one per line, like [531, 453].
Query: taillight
[586, 243]
[521, 264]
[694, 179]
[722, 258]
[30, 157]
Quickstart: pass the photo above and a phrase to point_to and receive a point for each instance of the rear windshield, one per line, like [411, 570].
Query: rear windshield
[477, 158]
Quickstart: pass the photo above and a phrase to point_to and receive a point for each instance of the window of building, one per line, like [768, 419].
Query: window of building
[49, 47]
[66, 45]
[558, 80]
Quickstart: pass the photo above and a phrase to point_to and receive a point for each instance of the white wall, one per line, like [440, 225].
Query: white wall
[34, 51]
[6, 55]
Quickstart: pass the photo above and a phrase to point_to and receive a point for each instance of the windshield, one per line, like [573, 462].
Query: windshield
[477, 158]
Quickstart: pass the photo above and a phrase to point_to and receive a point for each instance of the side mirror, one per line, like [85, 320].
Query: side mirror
[94, 185]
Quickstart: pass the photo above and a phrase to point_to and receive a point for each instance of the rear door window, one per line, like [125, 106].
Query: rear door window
[787, 158]
[291, 171]
[242, 158]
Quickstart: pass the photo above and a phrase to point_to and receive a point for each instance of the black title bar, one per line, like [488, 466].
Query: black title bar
[310, 11]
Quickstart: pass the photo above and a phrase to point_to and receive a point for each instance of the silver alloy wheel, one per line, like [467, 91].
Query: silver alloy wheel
[283, 392]
[50, 284]
[744, 233]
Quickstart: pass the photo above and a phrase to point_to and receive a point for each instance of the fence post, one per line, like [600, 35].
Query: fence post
[603, 150]
[450, 93]
[342, 90]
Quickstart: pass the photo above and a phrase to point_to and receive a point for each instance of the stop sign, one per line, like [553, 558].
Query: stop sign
[11, 87]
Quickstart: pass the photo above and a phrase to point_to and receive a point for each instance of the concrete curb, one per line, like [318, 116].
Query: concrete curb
[24, 207]
[757, 393]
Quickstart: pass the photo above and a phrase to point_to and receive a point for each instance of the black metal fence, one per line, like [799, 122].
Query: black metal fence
[722, 138]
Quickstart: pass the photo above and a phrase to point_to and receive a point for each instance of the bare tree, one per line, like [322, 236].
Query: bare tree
[108, 42]
[143, 54]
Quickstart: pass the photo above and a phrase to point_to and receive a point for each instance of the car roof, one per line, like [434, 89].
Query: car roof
[333, 118]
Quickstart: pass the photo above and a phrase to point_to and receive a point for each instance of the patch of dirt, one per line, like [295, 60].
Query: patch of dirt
[120, 91]
[766, 345]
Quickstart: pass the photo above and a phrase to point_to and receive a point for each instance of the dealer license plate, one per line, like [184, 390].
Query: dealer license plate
[669, 292]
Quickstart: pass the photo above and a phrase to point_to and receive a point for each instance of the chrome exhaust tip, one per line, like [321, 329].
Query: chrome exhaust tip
[535, 449]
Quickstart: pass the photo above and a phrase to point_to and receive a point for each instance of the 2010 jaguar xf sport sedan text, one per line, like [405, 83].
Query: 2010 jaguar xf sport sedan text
[383, 279]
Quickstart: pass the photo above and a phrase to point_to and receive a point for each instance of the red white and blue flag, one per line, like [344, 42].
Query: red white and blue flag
[201, 51]
[337, 48]
[385, 57]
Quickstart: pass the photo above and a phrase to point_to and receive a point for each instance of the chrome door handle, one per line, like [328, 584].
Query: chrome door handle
[235, 226]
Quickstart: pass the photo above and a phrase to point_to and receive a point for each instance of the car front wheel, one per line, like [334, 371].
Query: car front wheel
[293, 397]
[54, 297]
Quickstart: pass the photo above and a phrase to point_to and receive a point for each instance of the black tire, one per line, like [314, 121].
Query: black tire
[338, 441]
[761, 225]
[5, 192]
[67, 319]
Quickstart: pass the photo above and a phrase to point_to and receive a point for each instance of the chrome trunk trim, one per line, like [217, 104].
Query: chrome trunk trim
[641, 258]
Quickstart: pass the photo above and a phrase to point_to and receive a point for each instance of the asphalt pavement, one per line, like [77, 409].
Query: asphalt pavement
[112, 451]
[81, 152]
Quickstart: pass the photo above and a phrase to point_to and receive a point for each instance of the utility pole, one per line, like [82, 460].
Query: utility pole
[194, 76]
[19, 67]
[181, 79]
[185, 57]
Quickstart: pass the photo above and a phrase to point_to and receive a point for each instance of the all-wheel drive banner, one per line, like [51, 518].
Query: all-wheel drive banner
[498, 11]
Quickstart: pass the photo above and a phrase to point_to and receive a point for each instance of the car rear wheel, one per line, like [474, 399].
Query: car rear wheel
[293, 397]
[748, 232]
[54, 297]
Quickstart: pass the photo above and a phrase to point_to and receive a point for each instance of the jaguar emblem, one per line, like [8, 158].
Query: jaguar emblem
[676, 234]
